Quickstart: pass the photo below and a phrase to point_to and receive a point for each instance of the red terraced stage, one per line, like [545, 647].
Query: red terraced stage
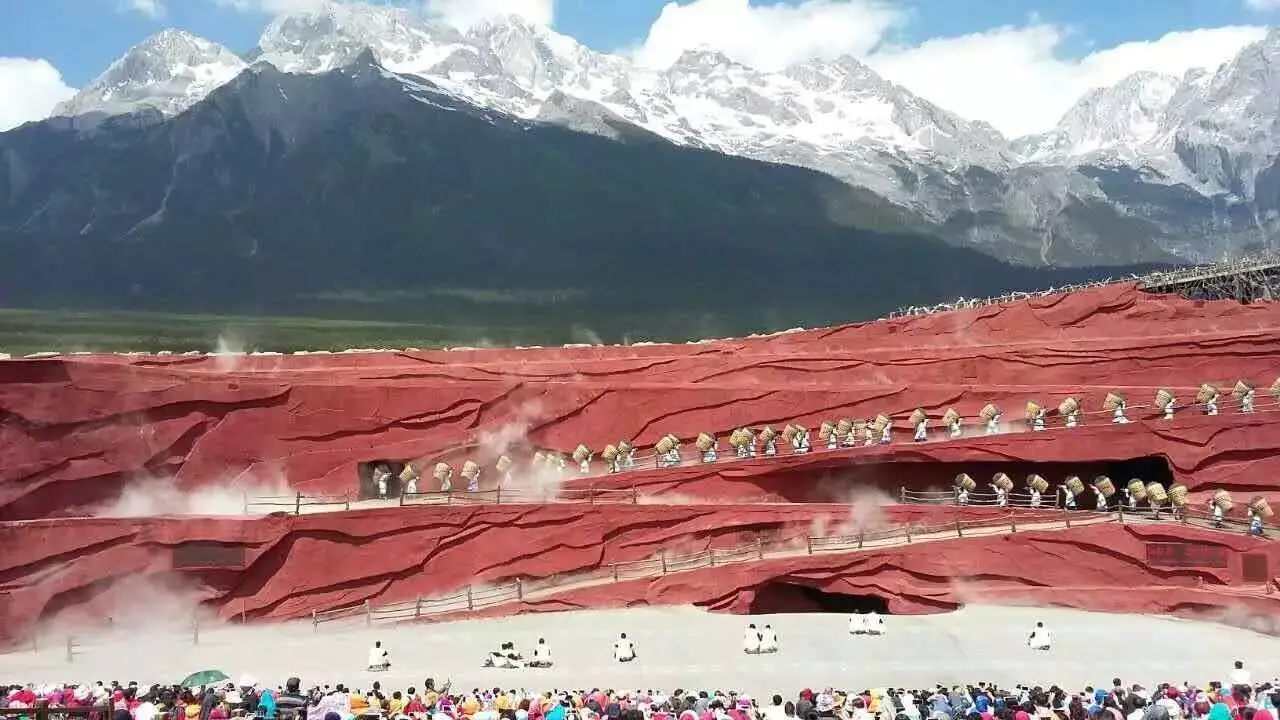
[78, 430]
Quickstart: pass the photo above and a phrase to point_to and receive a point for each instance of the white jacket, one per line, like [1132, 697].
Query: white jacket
[379, 656]
[624, 649]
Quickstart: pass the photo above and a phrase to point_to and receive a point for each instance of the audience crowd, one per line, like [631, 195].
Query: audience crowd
[1234, 698]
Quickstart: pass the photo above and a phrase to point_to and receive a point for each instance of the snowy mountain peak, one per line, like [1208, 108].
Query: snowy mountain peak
[334, 34]
[1108, 121]
[169, 72]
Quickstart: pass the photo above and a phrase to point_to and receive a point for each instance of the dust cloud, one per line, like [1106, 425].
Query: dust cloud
[228, 353]
[162, 496]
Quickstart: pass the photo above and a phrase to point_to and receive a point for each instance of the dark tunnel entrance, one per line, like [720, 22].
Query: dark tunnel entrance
[839, 485]
[784, 597]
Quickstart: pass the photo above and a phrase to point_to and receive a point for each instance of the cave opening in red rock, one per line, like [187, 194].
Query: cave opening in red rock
[778, 596]
[886, 480]
[367, 485]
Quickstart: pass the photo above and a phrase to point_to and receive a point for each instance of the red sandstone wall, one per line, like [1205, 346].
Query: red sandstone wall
[293, 564]
[77, 430]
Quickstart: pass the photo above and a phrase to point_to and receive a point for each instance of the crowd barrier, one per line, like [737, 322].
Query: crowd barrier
[475, 598]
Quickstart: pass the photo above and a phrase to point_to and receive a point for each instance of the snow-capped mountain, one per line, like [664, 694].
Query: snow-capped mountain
[169, 72]
[1201, 141]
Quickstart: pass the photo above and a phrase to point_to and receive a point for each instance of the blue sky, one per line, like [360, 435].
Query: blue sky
[80, 37]
[1018, 64]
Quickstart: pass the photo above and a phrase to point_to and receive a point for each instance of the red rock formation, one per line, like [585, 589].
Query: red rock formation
[76, 430]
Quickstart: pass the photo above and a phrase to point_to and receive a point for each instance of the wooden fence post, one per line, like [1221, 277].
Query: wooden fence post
[1066, 515]
[902, 494]
[417, 608]
[499, 496]
[1013, 522]
[1120, 507]
[959, 532]
[907, 529]
[860, 539]
[297, 504]
[245, 495]
[315, 621]
[520, 588]
[471, 604]
[759, 549]
[615, 571]
[662, 555]
[635, 495]
[368, 613]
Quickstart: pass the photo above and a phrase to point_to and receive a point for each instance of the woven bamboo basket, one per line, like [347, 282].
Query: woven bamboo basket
[950, 416]
[1178, 495]
[1002, 481]
[988, 412]
[1241, 389]
[768, 433]
[1206, 393]
[1222, 499]
[1105, 486]
[609, 453]
[1156, 494]
[1068, 406]
[1163, 398]
[1037, 483]
[625, 447]
[580, 453]
[1138, 489]
[664, 445]
[1033, 410]
[882, 422]
[504, 464]
[1112, 401]
[825, 429]
[442, 471]
[1261, 507]
[735, 439]
[705, 441]
[470, 469]
[1075, 485]
[918, 416]
[844, 427]
[409, 473]
[539, 458]
[966, 483]
[789, 432]
[1275, 388]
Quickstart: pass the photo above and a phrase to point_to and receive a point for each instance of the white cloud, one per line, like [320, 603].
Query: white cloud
[30, 89]
[151, 8]
[1014, 77]
[1262, 5]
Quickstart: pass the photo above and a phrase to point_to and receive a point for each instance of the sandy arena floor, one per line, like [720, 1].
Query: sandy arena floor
[681, 647]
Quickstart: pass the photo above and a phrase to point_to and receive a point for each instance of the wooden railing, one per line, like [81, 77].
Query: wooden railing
[475, 597]
[1085, 504]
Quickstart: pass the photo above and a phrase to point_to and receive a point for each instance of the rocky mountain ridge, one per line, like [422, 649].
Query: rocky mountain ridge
[1123, 177]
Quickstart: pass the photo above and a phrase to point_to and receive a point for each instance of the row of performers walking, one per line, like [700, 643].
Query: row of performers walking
[1136, 495]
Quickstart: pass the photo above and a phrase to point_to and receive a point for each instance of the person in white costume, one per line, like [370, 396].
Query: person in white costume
[868, 434]
[956, 429]
[1037, 423]
[962, 497]
[506, 657]
[379, 658]
[624, 650]
[1211, 405]
[993, 425]
[751, 640]
[922, 431]
[1073, 418]
[1246, 401]
[1068, 498]
[1131, 500]
[800, 443]
[874, 623]
[857, 626]
[771, 446]
[411, 486]
[380, 475]
[1099, 500]
[768, 640]
[711, 454]
[541, 655]
[1118, 416]
[886, 434]
[1039, 638]
[1002, 497]
[1170, 408]
[833, 441]
[1035, 498]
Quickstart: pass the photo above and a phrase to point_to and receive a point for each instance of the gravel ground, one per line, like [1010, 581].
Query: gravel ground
[678, 647]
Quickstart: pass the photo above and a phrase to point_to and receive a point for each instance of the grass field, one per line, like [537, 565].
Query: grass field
[28, 331]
